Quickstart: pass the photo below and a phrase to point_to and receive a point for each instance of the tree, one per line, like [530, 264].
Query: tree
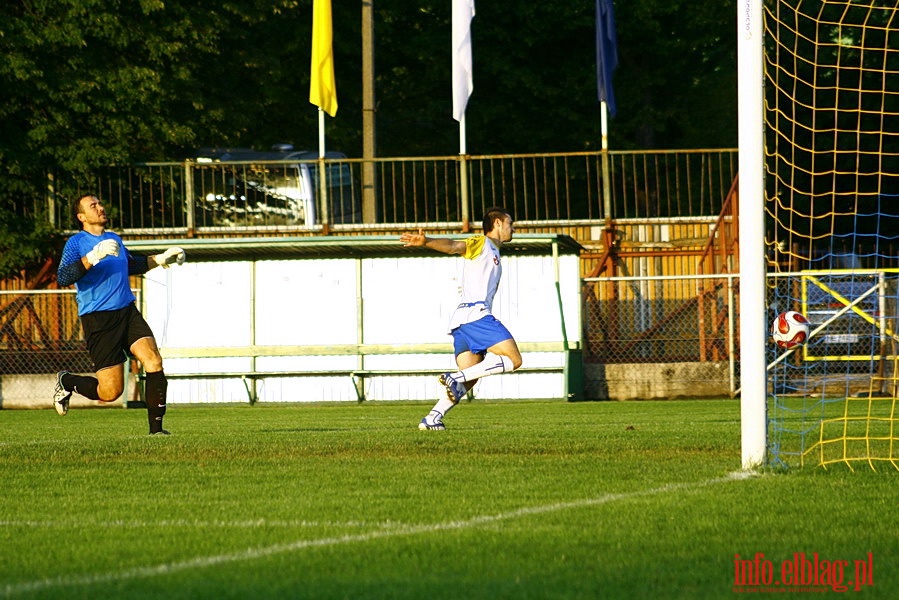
[90, 83]
[535, 77]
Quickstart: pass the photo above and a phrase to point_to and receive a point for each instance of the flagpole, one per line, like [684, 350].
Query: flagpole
[606, 61]
[463, 84]
[462, 142]
[322, 91]
[322, 184]
[321, 133]
[463, 175]
[606, 187]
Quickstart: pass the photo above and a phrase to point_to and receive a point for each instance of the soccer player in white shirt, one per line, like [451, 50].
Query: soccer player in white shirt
[482, 345]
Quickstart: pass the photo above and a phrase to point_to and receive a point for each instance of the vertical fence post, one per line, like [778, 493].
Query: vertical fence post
[731, 334]
[360, 316]
[252, 382]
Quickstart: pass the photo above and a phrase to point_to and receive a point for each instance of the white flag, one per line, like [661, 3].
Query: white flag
[463, 83]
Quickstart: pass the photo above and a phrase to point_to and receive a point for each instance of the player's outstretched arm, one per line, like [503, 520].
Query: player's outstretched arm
[420, 240]
[171, 256]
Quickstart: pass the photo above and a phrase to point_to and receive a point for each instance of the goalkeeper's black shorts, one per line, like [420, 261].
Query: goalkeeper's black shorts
[111, 333]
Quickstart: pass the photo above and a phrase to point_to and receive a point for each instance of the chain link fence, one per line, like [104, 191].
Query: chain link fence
[643, 337]
[660, 337]
[853, 342]
[40, 335]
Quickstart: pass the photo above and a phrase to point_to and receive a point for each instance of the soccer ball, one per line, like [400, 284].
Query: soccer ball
[790, 329]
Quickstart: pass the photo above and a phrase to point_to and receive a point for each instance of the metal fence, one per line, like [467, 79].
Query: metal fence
[853, 346]
[661, 336]
[642, 337]
[198, 196]
[40, 333]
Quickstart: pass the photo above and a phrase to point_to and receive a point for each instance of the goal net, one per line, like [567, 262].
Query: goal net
[831, 73]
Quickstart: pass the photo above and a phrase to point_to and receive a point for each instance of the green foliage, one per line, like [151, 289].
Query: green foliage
[24, 243]
[91, 83]
[99, 82]
[516, 500]
[677, 74]
[96, 82]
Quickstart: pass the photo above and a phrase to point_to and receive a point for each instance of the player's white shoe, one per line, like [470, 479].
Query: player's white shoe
[435, 425]
[61, 396]
[455, 390]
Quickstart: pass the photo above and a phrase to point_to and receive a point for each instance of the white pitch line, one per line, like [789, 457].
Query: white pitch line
[255, 553]
[221, 524]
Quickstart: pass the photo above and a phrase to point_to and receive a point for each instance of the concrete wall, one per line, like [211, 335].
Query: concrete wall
[36, 391]
[641, 381]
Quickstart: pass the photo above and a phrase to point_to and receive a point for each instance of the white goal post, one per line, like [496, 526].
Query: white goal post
[750, 92]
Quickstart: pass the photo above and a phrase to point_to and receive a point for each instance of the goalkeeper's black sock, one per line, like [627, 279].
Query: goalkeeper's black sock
[157, 387]
[81, 384]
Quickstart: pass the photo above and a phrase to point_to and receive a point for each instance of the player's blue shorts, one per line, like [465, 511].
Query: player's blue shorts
[479, 335]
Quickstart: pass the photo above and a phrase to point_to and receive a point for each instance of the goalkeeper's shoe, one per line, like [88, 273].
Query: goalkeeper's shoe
[435, 425]
[455, 390]
[61, 396]
[161, 432]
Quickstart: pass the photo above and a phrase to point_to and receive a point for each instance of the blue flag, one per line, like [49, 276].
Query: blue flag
[606, 52]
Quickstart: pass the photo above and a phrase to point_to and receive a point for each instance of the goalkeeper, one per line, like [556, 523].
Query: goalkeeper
[97, 263]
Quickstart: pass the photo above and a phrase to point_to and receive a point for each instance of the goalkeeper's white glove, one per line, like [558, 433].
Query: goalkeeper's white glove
[172, 255]
[102, 250]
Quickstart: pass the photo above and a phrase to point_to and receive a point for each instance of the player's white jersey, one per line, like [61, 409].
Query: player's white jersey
[481, 273]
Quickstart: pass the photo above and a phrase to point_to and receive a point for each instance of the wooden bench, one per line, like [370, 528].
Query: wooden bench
[249, 378]
[359, 376]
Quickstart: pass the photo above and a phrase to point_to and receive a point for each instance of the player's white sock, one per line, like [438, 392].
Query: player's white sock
[440, 409]
[491, 365]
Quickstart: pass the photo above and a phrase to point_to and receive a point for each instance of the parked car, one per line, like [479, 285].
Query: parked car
[245, 187]
[847, 334]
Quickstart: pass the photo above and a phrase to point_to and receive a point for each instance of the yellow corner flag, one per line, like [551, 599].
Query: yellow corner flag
[322, 88]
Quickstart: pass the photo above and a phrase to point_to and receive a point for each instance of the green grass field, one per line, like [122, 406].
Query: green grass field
[515, 500]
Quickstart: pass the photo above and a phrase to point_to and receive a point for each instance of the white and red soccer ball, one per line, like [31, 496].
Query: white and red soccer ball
[790, 329]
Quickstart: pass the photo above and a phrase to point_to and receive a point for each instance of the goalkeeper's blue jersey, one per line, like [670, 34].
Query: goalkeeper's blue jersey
[104, 286]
